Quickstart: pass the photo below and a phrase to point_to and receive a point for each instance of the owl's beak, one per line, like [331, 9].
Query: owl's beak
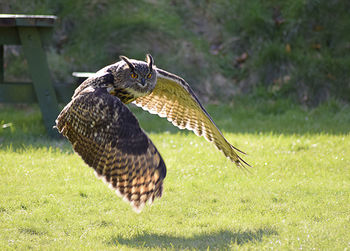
[143, 81]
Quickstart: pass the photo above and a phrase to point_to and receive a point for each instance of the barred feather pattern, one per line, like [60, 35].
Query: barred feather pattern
[173, 98]
[109, 139]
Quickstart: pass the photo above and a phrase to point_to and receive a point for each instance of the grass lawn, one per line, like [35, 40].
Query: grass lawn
[297, 196]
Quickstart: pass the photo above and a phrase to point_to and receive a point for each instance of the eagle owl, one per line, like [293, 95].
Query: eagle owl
[108, 137]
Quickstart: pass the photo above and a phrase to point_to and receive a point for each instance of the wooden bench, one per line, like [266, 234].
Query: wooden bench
[32, 32]
[81, 76]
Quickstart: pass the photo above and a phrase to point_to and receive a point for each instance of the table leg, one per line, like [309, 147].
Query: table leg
[1, 63]
[40, 74]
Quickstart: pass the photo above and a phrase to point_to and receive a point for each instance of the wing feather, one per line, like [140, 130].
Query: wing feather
[174, 99]
[109, 139]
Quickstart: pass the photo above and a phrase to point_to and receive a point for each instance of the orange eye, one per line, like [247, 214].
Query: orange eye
[149, 75]
[133, 75]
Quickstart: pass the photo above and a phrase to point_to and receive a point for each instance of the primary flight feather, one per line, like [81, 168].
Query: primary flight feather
[107, 136]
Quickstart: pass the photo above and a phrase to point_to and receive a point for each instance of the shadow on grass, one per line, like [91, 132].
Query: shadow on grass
[218, 240]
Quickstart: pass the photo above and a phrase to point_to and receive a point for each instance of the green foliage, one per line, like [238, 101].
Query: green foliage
[295, 49]
[296, 196]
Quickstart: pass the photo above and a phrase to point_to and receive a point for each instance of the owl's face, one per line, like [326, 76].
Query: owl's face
[139, 76]
[135, 77]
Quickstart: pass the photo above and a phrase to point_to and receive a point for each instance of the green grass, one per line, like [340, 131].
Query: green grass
[296, 197]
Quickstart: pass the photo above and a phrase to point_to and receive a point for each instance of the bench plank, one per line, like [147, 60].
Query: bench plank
[7, 20]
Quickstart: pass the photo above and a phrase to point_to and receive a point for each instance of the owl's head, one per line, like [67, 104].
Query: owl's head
[138, 77]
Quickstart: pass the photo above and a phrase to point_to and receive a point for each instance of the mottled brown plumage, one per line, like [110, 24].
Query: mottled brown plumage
[108, 137]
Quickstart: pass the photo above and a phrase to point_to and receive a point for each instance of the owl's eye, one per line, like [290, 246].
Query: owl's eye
[133, 75]
[149, 75]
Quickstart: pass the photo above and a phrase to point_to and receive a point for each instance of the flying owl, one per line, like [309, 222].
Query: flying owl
[108, 137]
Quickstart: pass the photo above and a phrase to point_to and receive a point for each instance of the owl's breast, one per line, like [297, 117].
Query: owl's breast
[125, 95]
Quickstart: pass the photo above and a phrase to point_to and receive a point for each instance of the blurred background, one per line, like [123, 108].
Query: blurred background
[296, 50]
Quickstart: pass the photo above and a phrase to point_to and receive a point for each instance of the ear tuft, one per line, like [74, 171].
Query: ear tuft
[150, 61]
[127, 61]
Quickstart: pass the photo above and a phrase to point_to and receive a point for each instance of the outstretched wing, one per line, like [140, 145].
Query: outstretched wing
[174, 99]
[109, 139]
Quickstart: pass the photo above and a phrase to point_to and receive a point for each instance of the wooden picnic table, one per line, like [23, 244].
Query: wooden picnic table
[31, 32]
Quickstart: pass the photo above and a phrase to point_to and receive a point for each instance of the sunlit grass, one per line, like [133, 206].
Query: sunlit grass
[297, 195]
